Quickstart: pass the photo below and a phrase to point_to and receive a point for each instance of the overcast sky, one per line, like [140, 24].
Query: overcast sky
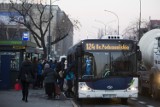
[87, 11]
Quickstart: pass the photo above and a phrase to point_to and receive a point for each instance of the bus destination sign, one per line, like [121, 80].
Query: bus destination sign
[106, 46]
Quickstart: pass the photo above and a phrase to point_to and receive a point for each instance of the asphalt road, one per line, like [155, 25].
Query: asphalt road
[38, 98]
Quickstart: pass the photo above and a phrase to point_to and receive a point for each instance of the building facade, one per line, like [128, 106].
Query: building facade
[16, 41]
[61, 26]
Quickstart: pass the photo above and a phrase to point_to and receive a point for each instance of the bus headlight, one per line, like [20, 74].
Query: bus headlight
[158, 79]
[132, 88]
[84, 87]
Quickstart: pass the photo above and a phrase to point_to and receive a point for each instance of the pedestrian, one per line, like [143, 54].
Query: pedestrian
[70, 80]
[61, 71]
[50, 79]
[44, 62]
[25, 76]
[54, 65]
[50, 63]
[35, 70]
[39, 74]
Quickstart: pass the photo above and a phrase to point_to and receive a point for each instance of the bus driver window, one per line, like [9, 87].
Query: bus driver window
[106, 70]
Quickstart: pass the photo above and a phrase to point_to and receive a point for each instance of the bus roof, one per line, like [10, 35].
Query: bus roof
[112, 37]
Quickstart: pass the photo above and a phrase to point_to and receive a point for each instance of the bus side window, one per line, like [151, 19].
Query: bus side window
[79, 67]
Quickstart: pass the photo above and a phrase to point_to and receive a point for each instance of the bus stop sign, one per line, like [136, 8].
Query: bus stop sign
[25, 36]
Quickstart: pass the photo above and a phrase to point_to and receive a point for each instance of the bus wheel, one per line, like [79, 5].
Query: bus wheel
[76, 98]
[124, 101]
[142, 90]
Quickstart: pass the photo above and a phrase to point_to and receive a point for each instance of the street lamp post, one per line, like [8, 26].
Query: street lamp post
[116, 17]
[49, 30]
[49, 35]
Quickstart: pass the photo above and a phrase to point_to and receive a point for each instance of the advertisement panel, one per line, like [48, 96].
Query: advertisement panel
[6, 17]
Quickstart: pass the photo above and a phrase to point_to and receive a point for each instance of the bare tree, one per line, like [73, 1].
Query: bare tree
[36, 18]
[100, 33]
[108, 31]
[3, 31]
[132, 30]
[111, 31]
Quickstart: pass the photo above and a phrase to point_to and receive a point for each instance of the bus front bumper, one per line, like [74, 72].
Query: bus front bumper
[108, 94]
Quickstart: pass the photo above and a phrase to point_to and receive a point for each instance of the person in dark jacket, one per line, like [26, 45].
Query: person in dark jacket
[39, 74]
[70, 76]
[35, 70]
[61, 70]
[50, 79]
[26, 71]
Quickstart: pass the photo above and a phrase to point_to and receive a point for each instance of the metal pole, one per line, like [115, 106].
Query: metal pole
[49, 35]
[116, 17]
[139, 22]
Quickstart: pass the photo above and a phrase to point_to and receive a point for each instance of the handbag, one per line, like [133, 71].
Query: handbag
[17, 86]
[57, 89]
[61, 73]
[65, 86]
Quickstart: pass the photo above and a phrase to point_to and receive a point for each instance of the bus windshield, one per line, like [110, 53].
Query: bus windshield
[106, 64]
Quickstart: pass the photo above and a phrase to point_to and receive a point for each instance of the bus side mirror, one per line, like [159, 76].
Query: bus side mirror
[139, 55]
[78, 51]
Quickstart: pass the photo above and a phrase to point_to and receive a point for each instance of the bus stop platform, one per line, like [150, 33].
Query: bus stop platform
[36, 98]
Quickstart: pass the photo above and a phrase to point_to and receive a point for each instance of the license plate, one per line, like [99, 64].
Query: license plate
[109, 95]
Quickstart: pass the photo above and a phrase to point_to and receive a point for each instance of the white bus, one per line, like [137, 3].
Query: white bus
[105, 68]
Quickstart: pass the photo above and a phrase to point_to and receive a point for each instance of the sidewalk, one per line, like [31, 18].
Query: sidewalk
[37, 98]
